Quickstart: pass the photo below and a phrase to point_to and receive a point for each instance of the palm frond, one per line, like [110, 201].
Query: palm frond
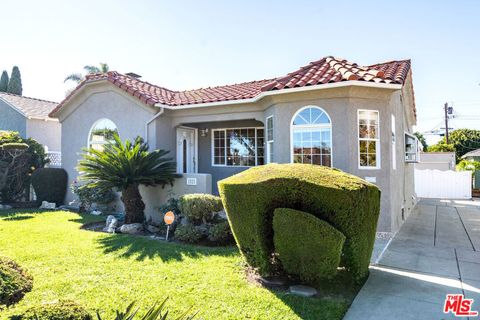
[75, 77]
[91, 69]
[104, 68]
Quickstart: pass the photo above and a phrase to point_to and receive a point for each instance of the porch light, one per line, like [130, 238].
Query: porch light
[204, 132]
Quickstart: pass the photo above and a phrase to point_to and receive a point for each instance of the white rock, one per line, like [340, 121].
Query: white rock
[5, 207]
[222, 214]
[304, 291]
[96, 212]
[111, 224]
[48, 205]
[132, 228]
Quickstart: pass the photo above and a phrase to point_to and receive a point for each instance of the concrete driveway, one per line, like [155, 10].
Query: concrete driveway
[435, 253]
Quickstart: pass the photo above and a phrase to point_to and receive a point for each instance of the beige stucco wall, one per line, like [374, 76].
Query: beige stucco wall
[129, 115]
[48, 133]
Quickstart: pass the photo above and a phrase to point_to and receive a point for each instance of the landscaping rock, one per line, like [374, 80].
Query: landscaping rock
[96, 212]
[48, 205]
[153, 229]
[69, 208]
[5, 207]
[273, 281]
[222, 215]
[111, 224]
[304, 291]
[132, 228]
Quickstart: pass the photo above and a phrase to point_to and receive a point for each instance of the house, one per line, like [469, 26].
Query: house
[330, 112]
[29, 117]
[473, 155]
[443, 161]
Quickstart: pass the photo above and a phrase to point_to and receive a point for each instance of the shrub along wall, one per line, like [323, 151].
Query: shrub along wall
[348, 203]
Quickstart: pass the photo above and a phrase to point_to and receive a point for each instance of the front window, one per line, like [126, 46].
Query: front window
[102, 132]
[270, 139]
[368, 139]
[238, 147]
[312, 137]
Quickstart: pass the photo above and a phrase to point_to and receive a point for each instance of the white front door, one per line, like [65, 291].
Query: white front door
[186, 150]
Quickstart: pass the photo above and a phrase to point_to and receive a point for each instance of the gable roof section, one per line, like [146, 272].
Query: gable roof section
[323, 71]
[29, 107]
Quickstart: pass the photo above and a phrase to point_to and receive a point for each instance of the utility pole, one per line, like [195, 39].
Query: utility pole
[446, 121]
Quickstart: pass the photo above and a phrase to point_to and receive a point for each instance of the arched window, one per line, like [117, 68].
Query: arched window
[312, 137]
[101, 133]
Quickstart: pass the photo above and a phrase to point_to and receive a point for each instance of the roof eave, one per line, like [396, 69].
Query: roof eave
[352, 83]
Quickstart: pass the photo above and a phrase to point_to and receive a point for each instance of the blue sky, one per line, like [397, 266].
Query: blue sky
[190, 44]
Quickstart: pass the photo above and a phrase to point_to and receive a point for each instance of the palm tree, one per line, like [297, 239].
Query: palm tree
[78, 77]
[125, 166]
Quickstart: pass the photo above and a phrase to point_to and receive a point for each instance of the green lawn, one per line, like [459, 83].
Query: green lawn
[105, 272]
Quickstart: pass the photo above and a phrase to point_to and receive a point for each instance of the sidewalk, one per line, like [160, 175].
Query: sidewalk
[436, 252]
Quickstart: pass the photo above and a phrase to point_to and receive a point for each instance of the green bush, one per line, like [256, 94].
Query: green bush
[89, 194]
[198, 207]
[220, 233]
[50, 184]
[306, 246]
[188, 233]
[61, 310]
[14, 282]
[348, 203]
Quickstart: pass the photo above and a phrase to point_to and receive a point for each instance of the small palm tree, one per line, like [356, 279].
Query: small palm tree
[125, 166]
[78, 77]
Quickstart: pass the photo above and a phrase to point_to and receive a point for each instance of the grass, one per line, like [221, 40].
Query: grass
[106, 272]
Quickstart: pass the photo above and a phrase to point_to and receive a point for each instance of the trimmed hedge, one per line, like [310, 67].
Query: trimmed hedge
[307, 247]
[61, 310]
[50, 184]
[220, 233]
[15, 282]
[348, 203]
[198, 207]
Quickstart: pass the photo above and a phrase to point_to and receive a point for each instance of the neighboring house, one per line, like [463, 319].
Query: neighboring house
[29, 116]
[330, 112]
[442, 161]
[472, 155]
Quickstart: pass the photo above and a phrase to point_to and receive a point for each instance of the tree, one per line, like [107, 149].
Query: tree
[125, 166]
[78, 77]
[4, 81]
[15, 82]
[464, 140]
[422, 140]
[441, 147]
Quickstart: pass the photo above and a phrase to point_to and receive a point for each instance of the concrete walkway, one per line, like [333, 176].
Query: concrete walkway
[436, 252]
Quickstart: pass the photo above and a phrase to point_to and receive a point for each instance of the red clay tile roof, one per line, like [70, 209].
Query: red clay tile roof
[326, 70]
[30, 107]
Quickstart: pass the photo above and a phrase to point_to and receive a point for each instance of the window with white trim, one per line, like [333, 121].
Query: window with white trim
[238, 147]
[270, 128]
[368, 139]
[101, 133]
[411, 148]
[312, 137]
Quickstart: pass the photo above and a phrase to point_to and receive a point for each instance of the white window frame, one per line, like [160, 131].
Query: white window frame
[405, 148]
[394, 144]
[93, 126]
[225, 131]
[377, 140]
[269, 143]
[310, 126]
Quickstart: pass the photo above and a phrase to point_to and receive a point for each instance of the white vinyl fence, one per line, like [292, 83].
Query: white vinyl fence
[443, 184]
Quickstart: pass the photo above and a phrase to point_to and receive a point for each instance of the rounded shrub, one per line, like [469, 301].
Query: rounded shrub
[349, 204]
[199, 207]
[50, 184]
[220, 233]
[306, 246]
[188, 233]
[15, 282]
[60, 310]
